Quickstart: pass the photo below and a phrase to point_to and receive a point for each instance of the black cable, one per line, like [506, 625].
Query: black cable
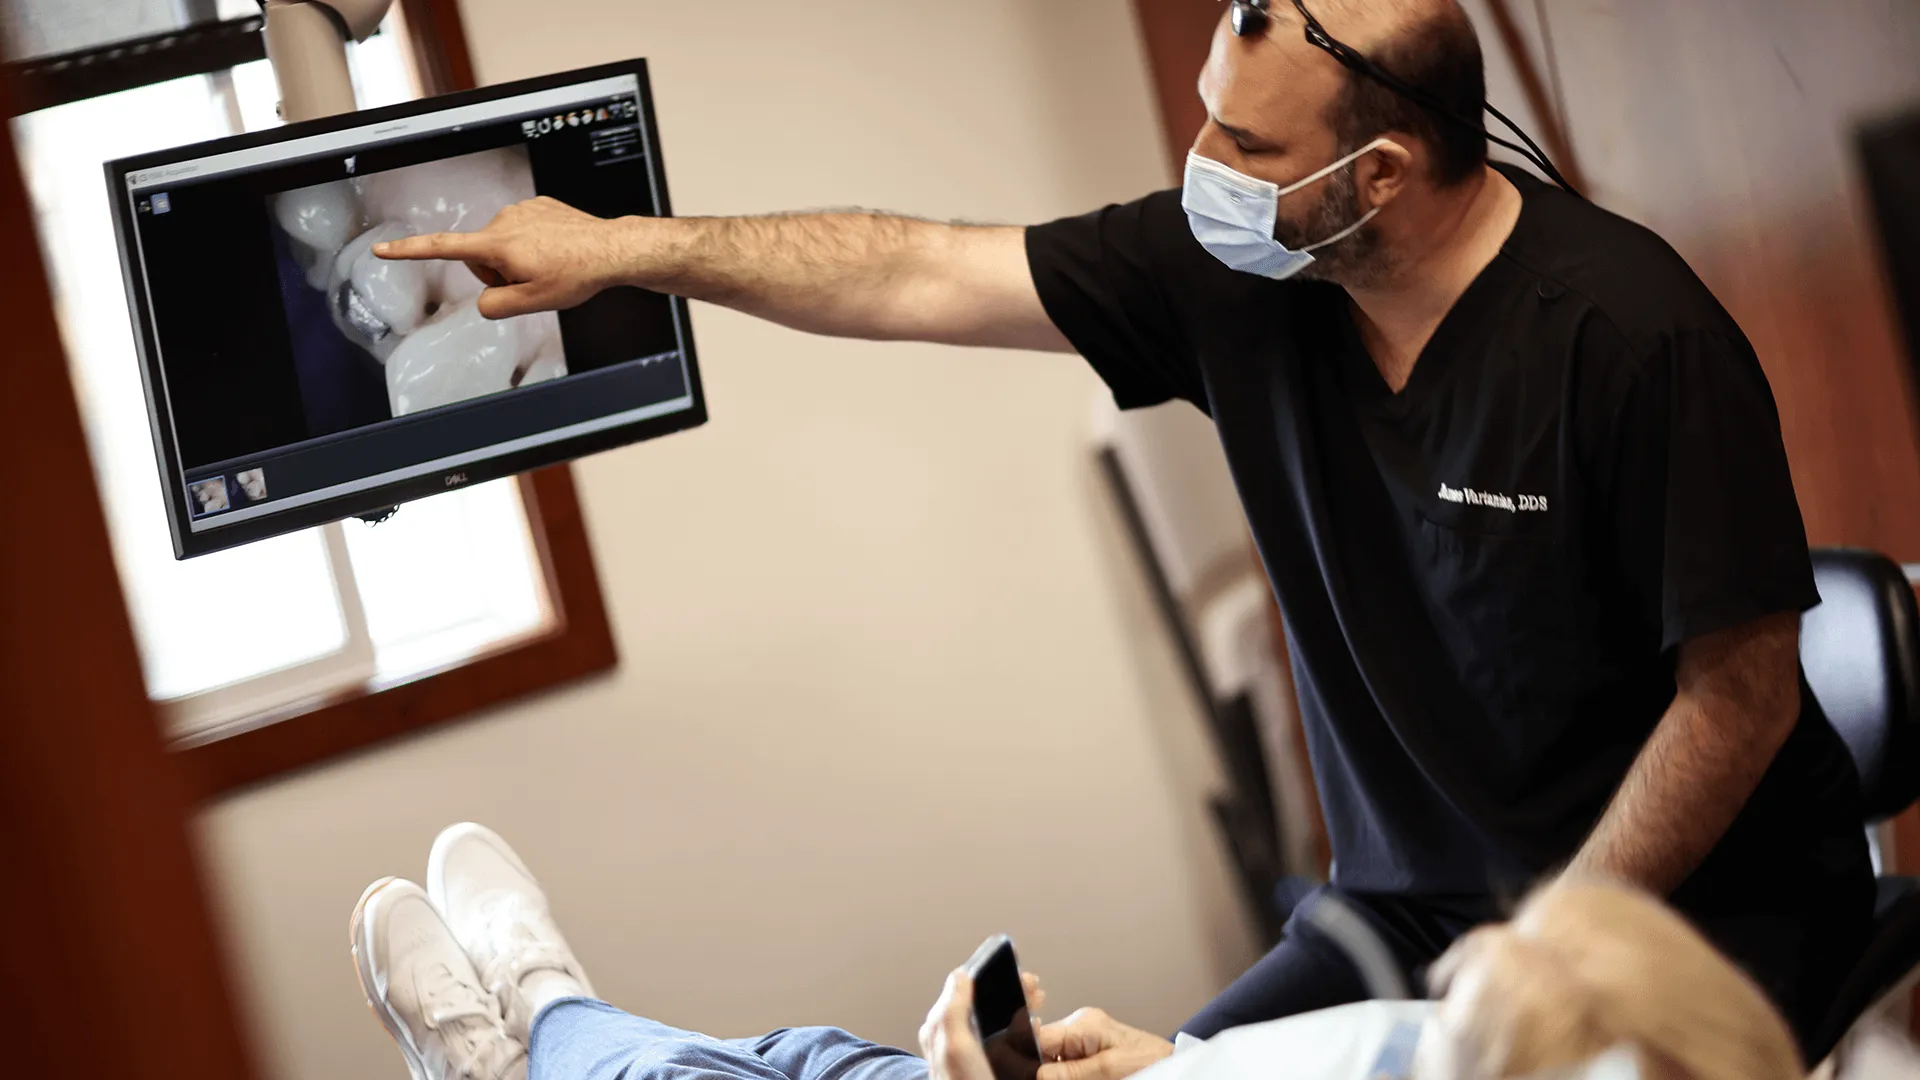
[1538, 156]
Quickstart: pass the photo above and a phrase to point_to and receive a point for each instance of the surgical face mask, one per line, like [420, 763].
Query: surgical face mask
[1234, 215]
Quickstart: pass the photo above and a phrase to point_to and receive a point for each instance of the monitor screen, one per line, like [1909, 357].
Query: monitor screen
[294, 378]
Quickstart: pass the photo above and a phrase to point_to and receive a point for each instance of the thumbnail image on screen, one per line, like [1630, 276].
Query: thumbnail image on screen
[375, 339]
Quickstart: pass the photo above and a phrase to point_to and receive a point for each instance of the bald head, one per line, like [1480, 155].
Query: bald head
[1271, 79]
[1430, 45]
[1366, 24]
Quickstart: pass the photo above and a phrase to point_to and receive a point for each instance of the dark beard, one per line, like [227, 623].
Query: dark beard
[1355, 260]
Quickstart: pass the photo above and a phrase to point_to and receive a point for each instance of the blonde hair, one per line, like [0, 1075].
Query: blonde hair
[1588, 965]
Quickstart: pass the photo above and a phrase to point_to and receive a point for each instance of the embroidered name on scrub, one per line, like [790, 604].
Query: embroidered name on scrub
[1510, 503]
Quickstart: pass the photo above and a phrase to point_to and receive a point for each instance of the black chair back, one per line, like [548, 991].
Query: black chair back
[1861, 652]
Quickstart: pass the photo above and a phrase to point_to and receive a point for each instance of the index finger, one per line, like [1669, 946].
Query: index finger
[462, 246]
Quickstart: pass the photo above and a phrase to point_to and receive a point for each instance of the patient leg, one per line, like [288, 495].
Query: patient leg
[503, 921]
[823, 1053]
[582, 1039]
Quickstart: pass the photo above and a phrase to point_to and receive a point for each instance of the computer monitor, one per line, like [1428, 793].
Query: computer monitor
[293, 378]
[1890, 153]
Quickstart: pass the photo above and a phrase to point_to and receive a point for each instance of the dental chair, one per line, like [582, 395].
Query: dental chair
[1861, 652]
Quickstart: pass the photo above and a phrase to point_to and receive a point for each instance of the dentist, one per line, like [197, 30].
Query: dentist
[1516, 475]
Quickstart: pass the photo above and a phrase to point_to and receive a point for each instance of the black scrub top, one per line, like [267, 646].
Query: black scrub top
[1486, 575]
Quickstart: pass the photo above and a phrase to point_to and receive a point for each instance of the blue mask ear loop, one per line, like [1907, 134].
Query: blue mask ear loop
[1333, 168]
[1342, 234]
[1329, 171]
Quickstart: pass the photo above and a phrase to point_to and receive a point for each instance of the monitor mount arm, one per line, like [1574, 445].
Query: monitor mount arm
[307, 45]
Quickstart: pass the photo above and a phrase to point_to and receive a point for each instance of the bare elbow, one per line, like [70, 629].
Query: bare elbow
[1750, 674]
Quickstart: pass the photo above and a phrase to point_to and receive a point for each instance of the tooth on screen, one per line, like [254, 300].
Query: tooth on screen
[457, 356]
[419, 318]
[320, 220]
[365, 305]
[548, 363]
[457, 194]
[541, 357]
[395, 292]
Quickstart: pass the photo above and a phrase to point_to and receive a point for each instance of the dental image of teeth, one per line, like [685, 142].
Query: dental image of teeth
[210, 496]
[253, 484]
[296, 378]
[412, 325]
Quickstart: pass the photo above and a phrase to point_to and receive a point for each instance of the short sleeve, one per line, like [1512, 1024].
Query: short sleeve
[1707, 529]
[1105, 279]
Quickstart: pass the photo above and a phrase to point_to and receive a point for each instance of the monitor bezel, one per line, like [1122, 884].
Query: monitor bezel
[186, 542]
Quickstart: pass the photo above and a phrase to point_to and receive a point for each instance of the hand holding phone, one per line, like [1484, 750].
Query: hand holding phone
[1001, 1017]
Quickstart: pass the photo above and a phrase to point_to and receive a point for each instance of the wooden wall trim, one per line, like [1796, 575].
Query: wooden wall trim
[439, 41]
[111, 967]
[1177, 35]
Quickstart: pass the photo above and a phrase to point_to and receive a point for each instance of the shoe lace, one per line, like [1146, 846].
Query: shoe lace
[467, 1019]
[524, 934]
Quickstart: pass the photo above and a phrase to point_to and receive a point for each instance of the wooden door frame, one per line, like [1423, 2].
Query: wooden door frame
[113, 967]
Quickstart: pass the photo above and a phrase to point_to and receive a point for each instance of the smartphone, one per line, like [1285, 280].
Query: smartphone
[1000, 1013]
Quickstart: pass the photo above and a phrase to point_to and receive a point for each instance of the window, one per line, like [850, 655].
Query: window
[280, 653]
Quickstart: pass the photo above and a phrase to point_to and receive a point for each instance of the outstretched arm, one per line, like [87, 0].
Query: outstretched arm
[849, 274]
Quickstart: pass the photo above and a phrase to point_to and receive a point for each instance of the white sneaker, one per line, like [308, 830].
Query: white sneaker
[499, 915]
[421, 985]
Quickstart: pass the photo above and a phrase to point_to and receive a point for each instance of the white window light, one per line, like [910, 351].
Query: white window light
[240, 637]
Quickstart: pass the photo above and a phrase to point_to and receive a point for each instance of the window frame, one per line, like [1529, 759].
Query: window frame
[577, 642]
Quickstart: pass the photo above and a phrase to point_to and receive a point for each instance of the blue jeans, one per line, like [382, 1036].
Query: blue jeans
[582, 1039]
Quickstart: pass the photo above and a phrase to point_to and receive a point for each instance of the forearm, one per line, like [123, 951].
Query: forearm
[846, 274]
[852, 274]
[1738, 702]
[1683, 792]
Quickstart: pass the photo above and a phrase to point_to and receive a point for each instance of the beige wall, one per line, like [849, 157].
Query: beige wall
[889, 681]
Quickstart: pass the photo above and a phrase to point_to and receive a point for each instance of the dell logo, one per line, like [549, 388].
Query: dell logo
[456, 479]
